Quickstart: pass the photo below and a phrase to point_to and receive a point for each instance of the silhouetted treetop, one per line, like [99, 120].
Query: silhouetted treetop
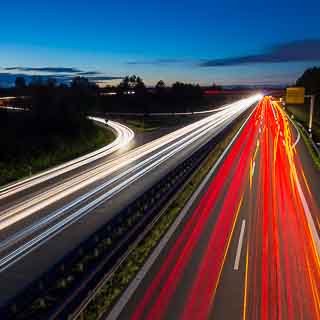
[132, 83]
[310, 80]
[80, 82]
[160, 84]
[215, 86]
[186, 90]
[20, 83]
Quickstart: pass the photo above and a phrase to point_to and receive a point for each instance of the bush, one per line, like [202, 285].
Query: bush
[19, 160]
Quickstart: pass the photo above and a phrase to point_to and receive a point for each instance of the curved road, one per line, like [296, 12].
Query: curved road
[124, 136]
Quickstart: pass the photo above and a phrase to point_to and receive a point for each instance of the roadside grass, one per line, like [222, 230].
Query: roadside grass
[301, 115]
[56, 150]
[310, 148]
[141, 126]
[128, 269]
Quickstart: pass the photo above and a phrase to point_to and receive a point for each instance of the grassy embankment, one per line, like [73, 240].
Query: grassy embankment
[313, 153]
[301, 114]
[121, 278]
[152, 123]
[141, 125]
[29, 154]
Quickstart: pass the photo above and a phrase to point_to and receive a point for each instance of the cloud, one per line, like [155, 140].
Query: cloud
[296, 51]
[105, 78]
[88, 73]
[8, 79]
[44, 69]
[156, 62]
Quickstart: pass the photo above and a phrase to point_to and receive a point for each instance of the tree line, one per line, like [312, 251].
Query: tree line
[310, 80]
[56, 102]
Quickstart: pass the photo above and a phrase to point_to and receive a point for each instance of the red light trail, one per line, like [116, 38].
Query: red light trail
[289, 271]
[261, 179]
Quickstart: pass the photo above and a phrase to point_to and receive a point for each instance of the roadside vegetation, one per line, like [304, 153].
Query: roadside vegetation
[132, 96]
[52, 129]
[301, 114]
[29, 153]
[314, 155]
[141, 125]
[310, 80]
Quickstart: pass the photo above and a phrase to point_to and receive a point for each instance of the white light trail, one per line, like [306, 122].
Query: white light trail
[30, 206]
[123, 137]
[150, 156]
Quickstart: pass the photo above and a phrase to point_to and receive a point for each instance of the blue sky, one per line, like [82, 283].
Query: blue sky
[202, 41]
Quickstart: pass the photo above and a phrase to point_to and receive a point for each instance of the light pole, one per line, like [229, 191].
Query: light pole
[312, 105]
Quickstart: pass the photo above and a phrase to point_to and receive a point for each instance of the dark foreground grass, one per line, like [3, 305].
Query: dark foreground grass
[141, 125]
[301, 113]
[314, 155]
[35, 155]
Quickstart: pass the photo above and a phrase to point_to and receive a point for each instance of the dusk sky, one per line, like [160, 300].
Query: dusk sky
[229, 42]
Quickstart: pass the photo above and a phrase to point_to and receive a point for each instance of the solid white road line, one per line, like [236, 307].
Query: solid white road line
[298, 132]
[308, 214]
[239, 248]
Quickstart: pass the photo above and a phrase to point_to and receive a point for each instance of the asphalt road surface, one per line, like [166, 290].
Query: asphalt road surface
[41, 225]
[247, 246]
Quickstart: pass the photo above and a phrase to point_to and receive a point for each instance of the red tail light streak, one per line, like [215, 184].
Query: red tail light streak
[261, 179]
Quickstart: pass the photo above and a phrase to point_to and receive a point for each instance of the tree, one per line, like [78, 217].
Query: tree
[215, 86]
[139, 86]
[160, 84]
[20, 83]
[133, 80]
[132, 83]
[83, 94]
[124, 85]
[80, 82]
[52, 82]
[36, 81]
[160, 87]
[186, 92]
[310, 80]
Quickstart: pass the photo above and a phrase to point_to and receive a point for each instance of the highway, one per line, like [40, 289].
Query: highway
[247, 244]
[45, 217]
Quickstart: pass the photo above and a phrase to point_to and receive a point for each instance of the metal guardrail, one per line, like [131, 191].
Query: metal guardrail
[314, 145]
